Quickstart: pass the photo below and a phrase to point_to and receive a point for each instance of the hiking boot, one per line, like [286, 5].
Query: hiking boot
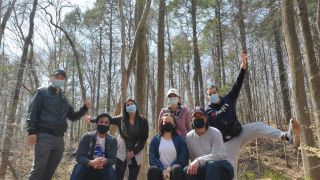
[293, 133]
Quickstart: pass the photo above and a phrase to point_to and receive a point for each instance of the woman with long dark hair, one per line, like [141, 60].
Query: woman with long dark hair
[134, 131]
[168, 153]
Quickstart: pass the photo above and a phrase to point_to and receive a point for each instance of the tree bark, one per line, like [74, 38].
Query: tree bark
[244, 49]
[110, 61]
[310, 163]
[196, 58]
[286, 105]
[311, 62]
[13, 109]
[160, 80]
[99, 71]
[171, 81]
[221, 43]
[5, 19]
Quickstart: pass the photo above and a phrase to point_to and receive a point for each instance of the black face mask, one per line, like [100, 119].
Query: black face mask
[168, 127]
[197, 123]
[102, 129]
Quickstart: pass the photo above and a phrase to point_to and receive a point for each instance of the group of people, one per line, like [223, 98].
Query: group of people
[204, 144]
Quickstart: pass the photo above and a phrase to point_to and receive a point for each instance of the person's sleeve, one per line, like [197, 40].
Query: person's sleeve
[235, 90]
[217, 152]
[83, 149]
[189, 147]
[143, 139]
[153, 160]
[33, 112]
[73, 116]
[183, 156]
[188, 119]
[112, 153]
[160, 115]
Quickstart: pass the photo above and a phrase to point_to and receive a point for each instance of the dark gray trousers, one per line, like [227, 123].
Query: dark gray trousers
[48, 152]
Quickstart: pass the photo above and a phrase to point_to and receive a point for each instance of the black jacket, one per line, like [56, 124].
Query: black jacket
[223, 116]
[88, 143]
[143, 131]
[48, 111]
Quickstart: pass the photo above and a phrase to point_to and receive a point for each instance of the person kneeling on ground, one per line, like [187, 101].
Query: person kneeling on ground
[96, 153]
[168, 152]
[206, 148]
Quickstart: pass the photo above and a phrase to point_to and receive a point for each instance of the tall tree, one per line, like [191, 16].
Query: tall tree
[244, 49]
[5, 18]
[311, 62]
[310, 163]
[13, 109]
[286, 105]
[197, 77]
[160, 80]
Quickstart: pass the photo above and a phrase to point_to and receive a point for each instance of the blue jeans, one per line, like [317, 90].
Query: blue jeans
[213, 170]
[82, 172]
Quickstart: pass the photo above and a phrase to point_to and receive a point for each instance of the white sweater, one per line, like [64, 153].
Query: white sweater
[207, 147]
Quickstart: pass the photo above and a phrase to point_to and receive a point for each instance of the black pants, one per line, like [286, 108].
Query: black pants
[154, 173]
[121, 167]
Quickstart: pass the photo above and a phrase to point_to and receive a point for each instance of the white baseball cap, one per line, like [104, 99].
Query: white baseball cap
[173, 91]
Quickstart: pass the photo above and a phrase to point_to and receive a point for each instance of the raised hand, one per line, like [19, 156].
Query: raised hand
[88, 103]
[244, 60]
[87, 119]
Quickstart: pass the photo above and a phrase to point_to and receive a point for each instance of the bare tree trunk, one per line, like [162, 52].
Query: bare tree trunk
[221, 44]
[244, 49]
[311, 63]
[13, 109]
[32, 67]
[196, 58]
[318, 17]
[286, 106]
[6, 18]
[110, 60]
[310, 163]
[99, 71]
[126, 72]
[160, 80]
[171, 81]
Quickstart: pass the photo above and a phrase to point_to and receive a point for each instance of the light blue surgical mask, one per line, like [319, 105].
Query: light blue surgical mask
[131, 109]
[173, 101]
[214, 98]
[58, 83]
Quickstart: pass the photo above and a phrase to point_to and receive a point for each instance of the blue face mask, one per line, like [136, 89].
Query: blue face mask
[58, 83]
[214, 98]
[173, 101]
[131, 109]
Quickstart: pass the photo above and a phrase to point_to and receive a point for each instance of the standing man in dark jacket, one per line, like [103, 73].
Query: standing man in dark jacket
[46, 125]
[221, 113]
[96, 153]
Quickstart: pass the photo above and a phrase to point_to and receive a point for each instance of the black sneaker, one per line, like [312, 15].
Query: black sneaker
[293, 133]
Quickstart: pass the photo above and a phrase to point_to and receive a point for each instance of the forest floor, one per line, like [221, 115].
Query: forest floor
[271, 158]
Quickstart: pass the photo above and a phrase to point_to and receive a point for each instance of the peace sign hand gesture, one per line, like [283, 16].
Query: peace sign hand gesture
[244, 60]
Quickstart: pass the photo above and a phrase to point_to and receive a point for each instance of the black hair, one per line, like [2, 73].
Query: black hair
[101, 116]
[212, 86]
[125, 117]
[161, 131]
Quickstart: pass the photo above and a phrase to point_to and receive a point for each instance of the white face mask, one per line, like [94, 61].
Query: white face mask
[173, 100]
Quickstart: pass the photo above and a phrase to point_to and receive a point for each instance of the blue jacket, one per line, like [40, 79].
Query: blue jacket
[181, 148]
[87, 144]
[223, 116]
